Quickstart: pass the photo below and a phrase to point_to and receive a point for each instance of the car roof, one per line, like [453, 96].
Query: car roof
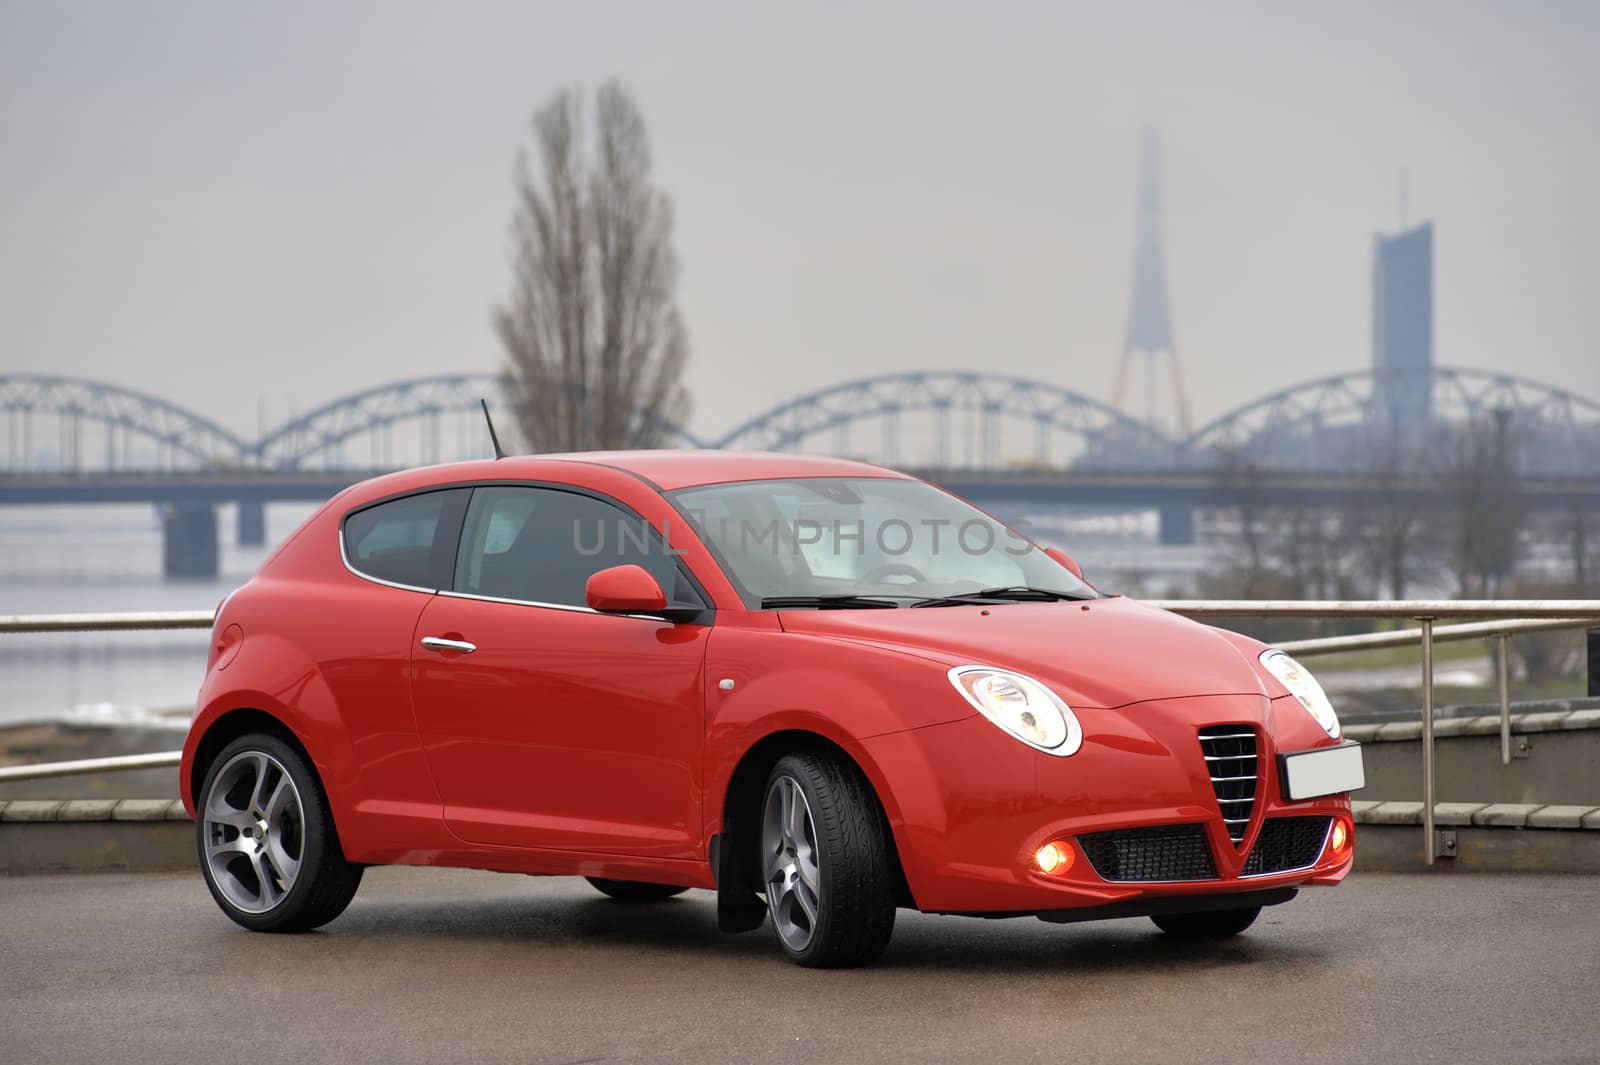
[664, 470]
[673, 469]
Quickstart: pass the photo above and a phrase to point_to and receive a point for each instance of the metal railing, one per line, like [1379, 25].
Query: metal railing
[1413, 609]
[1521, 615]
[1512, 616]
[1499, 631]
[141, 621]
[44, 770]
[129, 622]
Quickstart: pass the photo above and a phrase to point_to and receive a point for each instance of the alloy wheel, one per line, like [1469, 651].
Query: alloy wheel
[789, 863]
[254, 831]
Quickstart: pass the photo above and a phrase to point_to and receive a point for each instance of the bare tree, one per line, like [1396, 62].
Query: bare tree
[1488, 520]
[594, 343]
[1392, 528]
[1315, 549]
[1580, 529]
[1244, 547]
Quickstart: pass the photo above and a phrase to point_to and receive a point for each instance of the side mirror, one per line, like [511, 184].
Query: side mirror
[624, 590]
[1066, 560]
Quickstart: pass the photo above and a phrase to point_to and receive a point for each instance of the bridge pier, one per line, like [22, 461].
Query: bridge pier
[189, 540]
[1177, 526]
[250, 524]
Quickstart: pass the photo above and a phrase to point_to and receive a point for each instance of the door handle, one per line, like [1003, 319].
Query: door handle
[439, 643]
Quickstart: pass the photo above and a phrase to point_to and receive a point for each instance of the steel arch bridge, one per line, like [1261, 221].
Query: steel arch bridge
[1345, 418]
[134, 427]
[981, 400]
[322, 434]
[978, 421]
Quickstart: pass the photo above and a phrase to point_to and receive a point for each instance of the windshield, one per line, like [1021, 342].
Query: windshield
[877, 537]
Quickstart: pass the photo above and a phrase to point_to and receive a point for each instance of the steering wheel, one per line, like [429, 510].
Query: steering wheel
[893, 569]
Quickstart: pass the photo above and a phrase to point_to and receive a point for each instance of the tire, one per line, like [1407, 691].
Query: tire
[826, 864]
[260, 806]
[1214, 924]
[634, 890]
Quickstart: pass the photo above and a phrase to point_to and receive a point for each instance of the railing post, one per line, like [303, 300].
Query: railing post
[1505, 701]
[1427, 740]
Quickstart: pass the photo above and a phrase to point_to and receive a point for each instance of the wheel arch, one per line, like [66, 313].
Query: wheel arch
[743, 795]
[229, 726]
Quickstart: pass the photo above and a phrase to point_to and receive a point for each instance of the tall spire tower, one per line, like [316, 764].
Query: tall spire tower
[1149, 341]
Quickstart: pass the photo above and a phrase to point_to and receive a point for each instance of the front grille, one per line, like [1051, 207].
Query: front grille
[1230, 753]
[1169, 852]
[1286, 843]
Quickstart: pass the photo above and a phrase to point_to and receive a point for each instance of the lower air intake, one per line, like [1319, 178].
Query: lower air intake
[1147, 855]
[1286, 843]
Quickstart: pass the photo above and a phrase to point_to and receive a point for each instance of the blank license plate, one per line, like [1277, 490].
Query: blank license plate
[1324, 771]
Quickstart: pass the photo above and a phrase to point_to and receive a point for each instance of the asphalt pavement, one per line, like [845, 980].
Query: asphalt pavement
[447, 966]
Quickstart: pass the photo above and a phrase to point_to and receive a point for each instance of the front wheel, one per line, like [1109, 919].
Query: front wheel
[826, 863]
[1215, 924]
[634, 890]
[268, 848]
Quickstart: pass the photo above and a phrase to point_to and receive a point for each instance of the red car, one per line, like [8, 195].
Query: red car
[822, 689]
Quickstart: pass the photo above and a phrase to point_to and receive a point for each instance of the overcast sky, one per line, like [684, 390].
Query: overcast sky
[251, 208]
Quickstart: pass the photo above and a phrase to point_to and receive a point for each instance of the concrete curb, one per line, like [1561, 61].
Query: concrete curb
[1482, 815]
[1506, 836]
[45, 810]
[95, 835]
[1560, 715]
[1554, 758]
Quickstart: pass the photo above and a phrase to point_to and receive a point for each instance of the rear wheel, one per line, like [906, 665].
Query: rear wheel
[634, 890]
[826, 863]
[1216, 924]
[267, 844]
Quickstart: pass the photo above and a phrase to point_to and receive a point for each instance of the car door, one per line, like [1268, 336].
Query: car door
[546, 724]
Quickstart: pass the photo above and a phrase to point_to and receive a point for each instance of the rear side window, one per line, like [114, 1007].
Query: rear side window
[410, 541]
[541, 545]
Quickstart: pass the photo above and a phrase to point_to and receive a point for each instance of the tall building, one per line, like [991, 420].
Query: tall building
[1402, 324]
[1149, 345]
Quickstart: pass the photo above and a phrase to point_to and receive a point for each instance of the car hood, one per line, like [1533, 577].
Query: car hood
[1103, 653]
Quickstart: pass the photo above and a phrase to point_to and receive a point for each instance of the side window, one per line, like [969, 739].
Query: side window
[406, 541]
[541, 545]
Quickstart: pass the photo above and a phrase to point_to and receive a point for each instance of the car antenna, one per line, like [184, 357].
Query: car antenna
[499, 452]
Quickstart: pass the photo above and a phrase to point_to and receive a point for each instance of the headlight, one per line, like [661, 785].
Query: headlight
[1303, 686]
[1022, 706]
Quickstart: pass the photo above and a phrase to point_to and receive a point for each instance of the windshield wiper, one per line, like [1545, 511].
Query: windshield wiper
[827, 602]
[1011, 593]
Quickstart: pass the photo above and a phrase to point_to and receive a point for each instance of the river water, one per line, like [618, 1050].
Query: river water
[80, 559]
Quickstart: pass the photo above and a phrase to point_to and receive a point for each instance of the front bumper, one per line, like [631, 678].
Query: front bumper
[971, 806]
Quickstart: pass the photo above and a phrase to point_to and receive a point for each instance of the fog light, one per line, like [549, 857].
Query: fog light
[1339, 839]
[1054, 858]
